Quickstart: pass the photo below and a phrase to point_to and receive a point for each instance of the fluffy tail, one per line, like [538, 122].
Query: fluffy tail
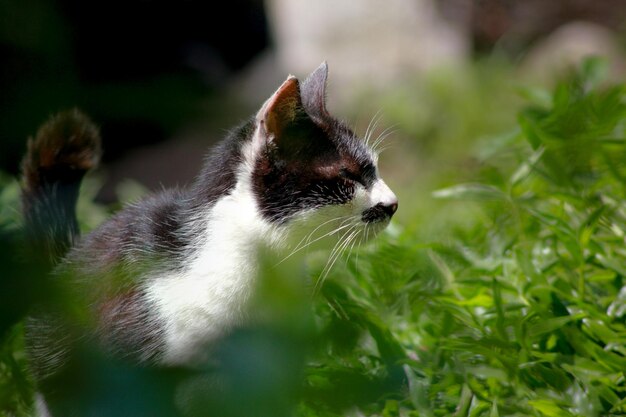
[64, 149]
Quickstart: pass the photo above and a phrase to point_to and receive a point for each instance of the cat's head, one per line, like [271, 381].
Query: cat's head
[311, 168]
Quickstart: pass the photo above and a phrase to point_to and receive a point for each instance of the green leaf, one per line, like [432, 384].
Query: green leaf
[528, 121]
[525, 169]
[593, 70]
[536, 96]
[494, 410]
[549, 408]
[464, 402]
[550, 325]
[477, 192]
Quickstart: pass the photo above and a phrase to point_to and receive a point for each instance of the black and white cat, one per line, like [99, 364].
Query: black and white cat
[167, 277]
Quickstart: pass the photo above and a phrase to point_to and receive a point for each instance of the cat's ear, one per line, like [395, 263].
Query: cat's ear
[314, 91]
[281, 109]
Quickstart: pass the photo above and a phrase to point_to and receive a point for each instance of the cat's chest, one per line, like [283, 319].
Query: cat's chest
[210, 295]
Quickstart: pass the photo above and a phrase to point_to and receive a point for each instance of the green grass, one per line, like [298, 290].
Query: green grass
[519, 309]
[497, 295]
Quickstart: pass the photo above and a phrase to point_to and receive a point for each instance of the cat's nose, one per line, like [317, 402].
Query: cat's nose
[391, 207]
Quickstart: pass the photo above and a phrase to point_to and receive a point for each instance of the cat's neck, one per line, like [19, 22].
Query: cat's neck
[210, 294]
[220, 171]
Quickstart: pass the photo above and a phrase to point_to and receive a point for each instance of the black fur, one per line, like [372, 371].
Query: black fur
[64, 149]
[378, 213]
[315, 164]
[128, 328]
[218, 173]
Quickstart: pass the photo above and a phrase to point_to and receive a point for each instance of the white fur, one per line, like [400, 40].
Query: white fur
[41, 409]
[381, 193]
[199, 304]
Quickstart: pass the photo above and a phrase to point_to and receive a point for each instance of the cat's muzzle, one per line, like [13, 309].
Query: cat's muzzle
[379, 213]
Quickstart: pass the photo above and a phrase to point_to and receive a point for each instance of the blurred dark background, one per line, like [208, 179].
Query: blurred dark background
[140, 68]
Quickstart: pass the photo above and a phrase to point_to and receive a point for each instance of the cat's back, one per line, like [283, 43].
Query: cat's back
[153, 232]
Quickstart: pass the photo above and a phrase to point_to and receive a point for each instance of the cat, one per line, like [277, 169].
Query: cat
[168, 277]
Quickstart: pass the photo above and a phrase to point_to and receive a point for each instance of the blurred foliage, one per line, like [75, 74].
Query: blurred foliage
[514, 307]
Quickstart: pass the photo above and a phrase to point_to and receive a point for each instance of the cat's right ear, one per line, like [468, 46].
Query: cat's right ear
[281, 109]
[314, 91]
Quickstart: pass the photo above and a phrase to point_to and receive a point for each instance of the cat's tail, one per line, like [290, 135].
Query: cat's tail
[64, 149]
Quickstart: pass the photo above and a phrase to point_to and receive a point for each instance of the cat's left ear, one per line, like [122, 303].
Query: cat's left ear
[314, 91]
[281, 109]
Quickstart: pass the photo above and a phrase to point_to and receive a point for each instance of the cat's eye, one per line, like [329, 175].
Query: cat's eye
[350, 176]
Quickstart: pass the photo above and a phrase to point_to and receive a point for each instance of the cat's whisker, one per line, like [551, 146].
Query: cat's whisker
[383, 149]
[354, 241]
[367, 130]
[334, 256]
[371, 127]
[307, 239]
[358, 251]
[341, 226]
[383, 146]
[349, 241]
[335, 248]
[363, 239]
[383, 135]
